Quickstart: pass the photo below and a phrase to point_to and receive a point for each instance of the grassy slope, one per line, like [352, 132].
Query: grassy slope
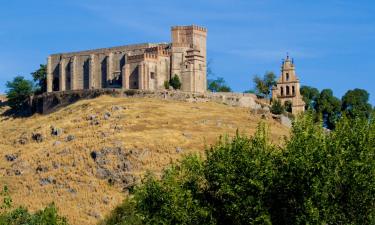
[151, 128]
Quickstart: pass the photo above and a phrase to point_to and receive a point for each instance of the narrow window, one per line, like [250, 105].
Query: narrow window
[287, 76]
[287, 90]
[293, 91]
[282, 91]
[152, 75]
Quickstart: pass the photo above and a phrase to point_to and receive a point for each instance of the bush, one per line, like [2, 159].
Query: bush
[166, 85]
[19, 91]
[21, 216]
[276, 107]
[175, 82]
[314, 178]
[288, 106]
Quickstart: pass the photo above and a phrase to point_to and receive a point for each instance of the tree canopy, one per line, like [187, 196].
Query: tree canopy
[314, 178]
[218, 85]
[309, 95]
[355, 103]
[18, 92]
[264, 85]
[40, 77]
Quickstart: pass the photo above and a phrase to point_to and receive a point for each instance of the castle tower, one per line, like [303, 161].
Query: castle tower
[188, 57]
[287, 88]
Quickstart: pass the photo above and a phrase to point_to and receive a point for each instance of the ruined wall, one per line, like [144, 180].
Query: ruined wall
[50, 102]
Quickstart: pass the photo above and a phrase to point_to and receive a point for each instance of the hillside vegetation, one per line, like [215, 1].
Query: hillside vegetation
[87, 156]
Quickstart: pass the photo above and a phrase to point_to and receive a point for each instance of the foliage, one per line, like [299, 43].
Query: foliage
[310, 96]
[19, 90]
[264, 85]
[218, 85]
[175, 82]
[329, 107]
[355, 103]
[251, 91]
[276, 107]
[21, 216]
[316, 177]
[166, 84]
[7, 200]
[288, 106]
[40, 77]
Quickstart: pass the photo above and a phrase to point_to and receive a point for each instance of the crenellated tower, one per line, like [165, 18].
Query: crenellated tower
[189, 57]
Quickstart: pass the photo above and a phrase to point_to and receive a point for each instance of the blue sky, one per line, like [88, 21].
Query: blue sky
[331, 41]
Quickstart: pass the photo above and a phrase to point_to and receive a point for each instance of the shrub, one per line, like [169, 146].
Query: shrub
[276, 107]
[316, 177]
[166, 84]
[175, 82]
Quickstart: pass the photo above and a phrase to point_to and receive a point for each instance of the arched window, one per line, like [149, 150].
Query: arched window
[282, 91]
[293, 91]
[287, 90]
[287, 76]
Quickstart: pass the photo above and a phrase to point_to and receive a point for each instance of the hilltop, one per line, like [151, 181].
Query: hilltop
[86, 156]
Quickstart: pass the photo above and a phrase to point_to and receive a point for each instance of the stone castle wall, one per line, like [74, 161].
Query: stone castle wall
[50, 102]
[141, 66]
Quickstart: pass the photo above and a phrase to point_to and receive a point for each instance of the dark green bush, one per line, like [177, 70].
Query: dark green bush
[315, 177]
[276, 107]
[175, 82]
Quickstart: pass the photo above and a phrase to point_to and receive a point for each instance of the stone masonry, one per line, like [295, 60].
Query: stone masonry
[287, 88]
[141, 66]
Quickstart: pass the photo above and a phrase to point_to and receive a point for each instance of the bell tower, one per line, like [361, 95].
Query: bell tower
[287, 88]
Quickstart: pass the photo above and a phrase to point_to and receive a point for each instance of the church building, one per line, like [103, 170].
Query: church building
[287, 89]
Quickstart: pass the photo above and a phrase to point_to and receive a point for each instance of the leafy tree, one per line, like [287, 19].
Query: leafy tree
[40, 77]
[310, 96]
[19, 90]
[314, 178]
[175, 82]
[276, 107]
[218, 85]
[355, 103]
[329, 107]
[264, 85]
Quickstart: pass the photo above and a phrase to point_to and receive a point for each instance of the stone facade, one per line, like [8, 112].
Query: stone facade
[142, 66]
[288, 87]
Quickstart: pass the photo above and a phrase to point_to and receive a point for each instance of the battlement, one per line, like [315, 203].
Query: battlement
[191, 27]
[142, 57]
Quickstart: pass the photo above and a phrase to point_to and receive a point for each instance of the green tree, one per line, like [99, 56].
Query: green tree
[19, 90]
[329, 107]
[218, 85]
[264, 85]
[315, 177]
[355, 103]
[310, 96]
[175, 82]
[276, 107]
[40, 77]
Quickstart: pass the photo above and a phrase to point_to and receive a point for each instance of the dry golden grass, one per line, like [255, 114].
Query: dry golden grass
[151, 127]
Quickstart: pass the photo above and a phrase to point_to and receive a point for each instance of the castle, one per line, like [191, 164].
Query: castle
[141, 66]
[287, 89]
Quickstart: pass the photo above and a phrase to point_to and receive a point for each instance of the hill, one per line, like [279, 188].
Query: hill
[86, 156]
